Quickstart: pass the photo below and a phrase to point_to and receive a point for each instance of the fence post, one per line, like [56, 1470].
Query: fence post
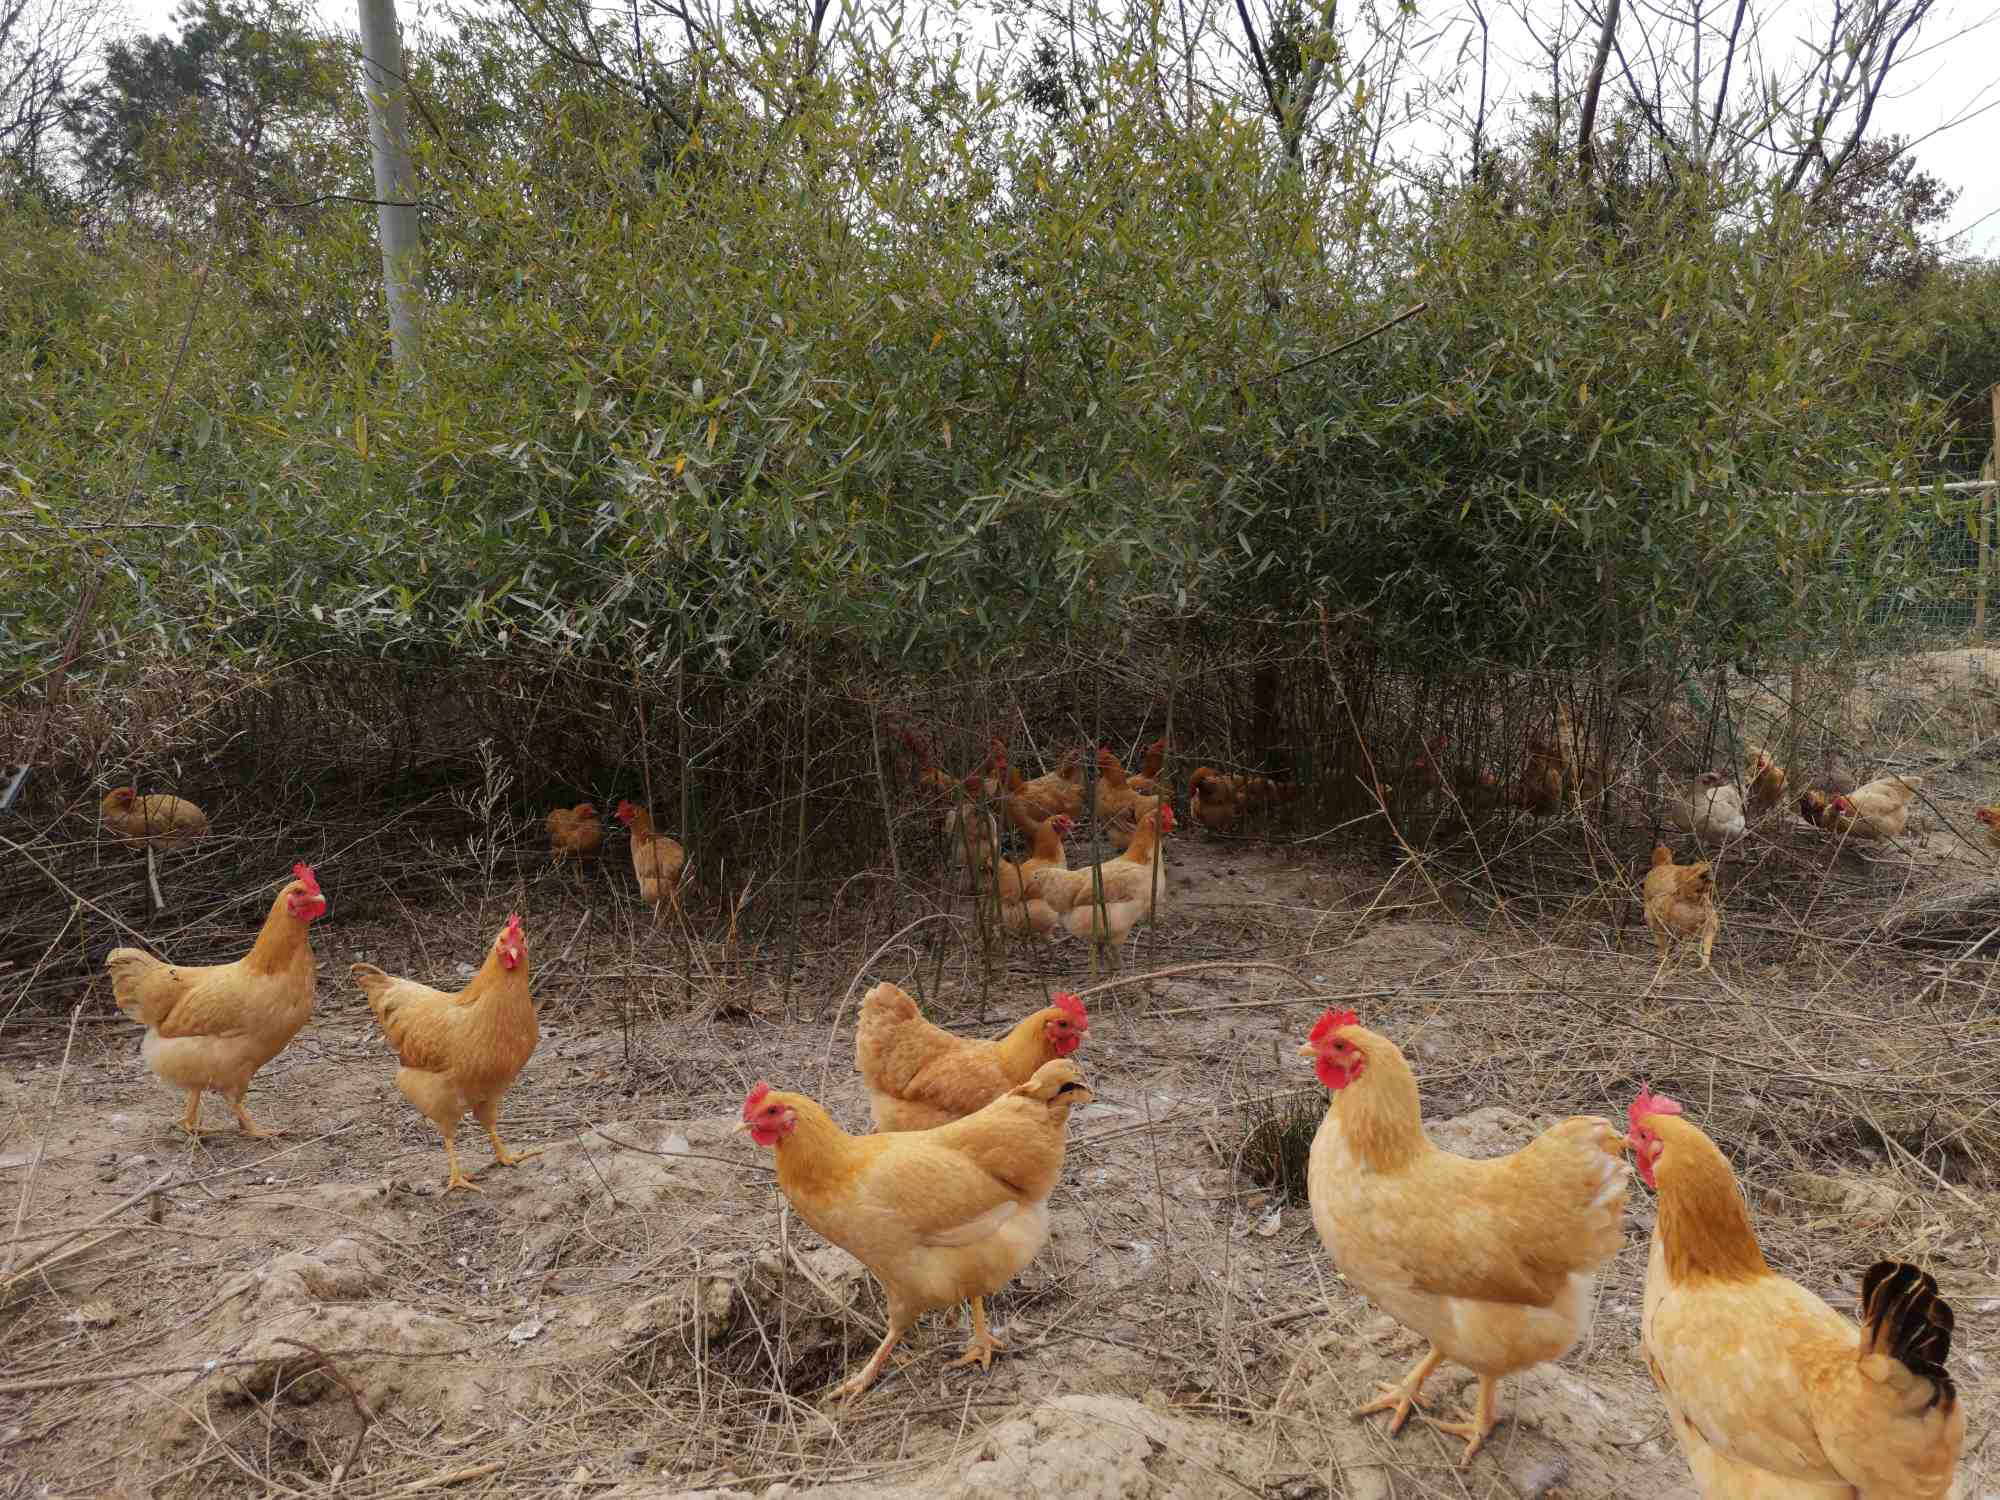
[1989, 501]
[1985, 563]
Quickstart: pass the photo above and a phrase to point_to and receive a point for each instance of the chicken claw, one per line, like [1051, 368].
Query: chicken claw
[984, 1346]
[488, 1112]
[1477, 1430]
[458, 1179]
[249, 1126]
[1404, 1395]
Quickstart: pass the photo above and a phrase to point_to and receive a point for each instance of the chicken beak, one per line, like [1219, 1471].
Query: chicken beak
[1306, 1049]
[741, 1127]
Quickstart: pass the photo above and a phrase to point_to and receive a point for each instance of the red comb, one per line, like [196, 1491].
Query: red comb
[304, 875]
[513, 927]
[756, 1097]
[1072, 1006]
[1166, 819]
[1331, 1022]
[1650, 1103]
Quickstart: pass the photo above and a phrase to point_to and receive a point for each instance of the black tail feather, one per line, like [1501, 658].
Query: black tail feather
[1905, 1317]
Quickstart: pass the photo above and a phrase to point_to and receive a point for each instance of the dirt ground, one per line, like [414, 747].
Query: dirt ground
[631, 1314]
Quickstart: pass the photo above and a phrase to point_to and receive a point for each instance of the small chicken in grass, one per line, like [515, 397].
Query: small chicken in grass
[1711, 810]
[1493, 1261]
[1131, 887]
[575, 834]
[1213, 800]
[1765, 779]
[656, 859]
[214, 1026]
[919, 1077]
[1009, 882]
[152, 823]
[461, 1052]
[1990, 816]
[1680, 902]
[939, 1216]
[1117, 806]
[1150, 782]
[1878, 810]
[1771, 1394]
[1056, 794]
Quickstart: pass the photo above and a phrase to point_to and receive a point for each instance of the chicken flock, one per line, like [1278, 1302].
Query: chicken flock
[1769, 1392]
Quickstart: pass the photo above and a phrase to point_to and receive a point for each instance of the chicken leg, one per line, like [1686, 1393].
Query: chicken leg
[1401, 1397]
[190, 1121]
[984, 1345]
[243, 1121]
[488, 1111]
[458, 1179]
[858, 1382]
[1484, 1420]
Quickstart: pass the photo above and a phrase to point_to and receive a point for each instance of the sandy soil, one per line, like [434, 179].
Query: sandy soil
[630, 1313]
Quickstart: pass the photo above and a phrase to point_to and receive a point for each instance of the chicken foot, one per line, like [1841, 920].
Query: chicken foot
[984, 1345]
[861, 1379]
[458, 1179]
[1404, 1395]
[489, 1116]
[190, 1120]
[247, 1125]
[1484, 1420]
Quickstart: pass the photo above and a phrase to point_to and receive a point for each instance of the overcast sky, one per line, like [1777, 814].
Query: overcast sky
[1953, 76]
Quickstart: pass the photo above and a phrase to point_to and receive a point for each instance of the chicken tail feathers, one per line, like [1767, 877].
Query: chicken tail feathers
[129, 969]
[887, 1003]
[1903, 1316]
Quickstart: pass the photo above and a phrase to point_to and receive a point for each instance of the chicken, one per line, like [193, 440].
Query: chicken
[1712, 810]
[939, 1216]
[1546, 779]
[155, 821]
[575, 833]
[1114, 803]
[1213, 799]
[214, 1026]
[1134, 887]
[152, 823]
[461, 1052]
[1149, 782]
[1680, 902]
[1771, 1393]
[1990, 816]
[971, 829]
[1020, 911]
[1060, 792]
[919, 1077]
[656, 859]
[1834, 814]
[1474, 787]
[1492, 1261]
[1766, 780]
[1882, 807]
[924, 770]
